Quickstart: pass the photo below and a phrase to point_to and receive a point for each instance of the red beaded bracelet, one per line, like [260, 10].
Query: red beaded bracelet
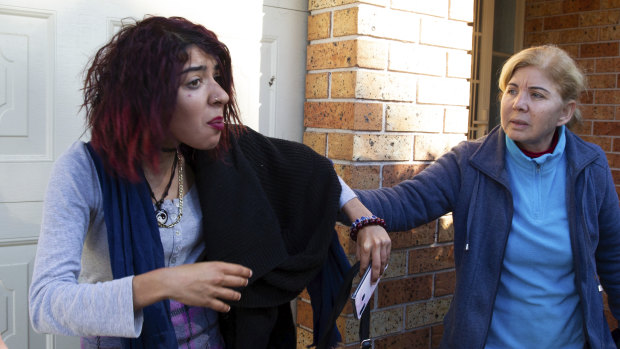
[362, 222]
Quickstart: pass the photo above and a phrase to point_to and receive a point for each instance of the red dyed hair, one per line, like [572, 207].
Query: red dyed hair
[130, 89]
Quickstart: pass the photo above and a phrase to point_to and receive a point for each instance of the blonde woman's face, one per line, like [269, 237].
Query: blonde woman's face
[532, 108]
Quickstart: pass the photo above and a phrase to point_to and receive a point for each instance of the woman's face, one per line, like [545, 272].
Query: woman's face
[531, 109]
[198, 119]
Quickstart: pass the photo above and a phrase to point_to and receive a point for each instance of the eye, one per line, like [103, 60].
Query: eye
[512, 91]
[537, 95]
[195, 83]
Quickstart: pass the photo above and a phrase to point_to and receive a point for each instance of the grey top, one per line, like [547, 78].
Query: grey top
[73, 292]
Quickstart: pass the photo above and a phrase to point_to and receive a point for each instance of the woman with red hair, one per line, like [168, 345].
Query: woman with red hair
[174, 212]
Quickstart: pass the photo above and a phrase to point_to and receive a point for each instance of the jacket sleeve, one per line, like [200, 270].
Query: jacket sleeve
[413, 202]
[58, 303]
[608, 250]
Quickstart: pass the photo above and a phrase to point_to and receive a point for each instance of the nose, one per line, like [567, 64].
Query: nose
[217, 95]
[520, 102]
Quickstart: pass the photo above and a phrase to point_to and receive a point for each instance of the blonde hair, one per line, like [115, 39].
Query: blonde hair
[557, 65]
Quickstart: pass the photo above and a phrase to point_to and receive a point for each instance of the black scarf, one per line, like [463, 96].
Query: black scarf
[270, 205]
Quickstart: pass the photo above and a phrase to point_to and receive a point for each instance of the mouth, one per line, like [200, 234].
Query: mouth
[217, 123]
[518, 123]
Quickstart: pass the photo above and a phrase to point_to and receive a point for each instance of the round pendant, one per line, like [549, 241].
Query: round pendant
[161, 215]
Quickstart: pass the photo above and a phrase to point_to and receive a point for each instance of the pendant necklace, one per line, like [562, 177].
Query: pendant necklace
[160, 213]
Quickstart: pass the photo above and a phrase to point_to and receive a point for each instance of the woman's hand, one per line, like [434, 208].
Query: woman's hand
[373, 242]
[204, 284]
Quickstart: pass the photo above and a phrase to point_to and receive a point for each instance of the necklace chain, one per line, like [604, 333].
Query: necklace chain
[162, 225]
[159, 202]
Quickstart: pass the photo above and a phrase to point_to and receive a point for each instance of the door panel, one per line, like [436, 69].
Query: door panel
[283, 67]
[44, 48]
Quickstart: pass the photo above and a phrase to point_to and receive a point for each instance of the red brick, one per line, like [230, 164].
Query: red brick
[585, 128]
[304, 314]
[606, 49]
[444, 283]
[561, 22]
[319, 26]
[602, 81]
[586, 65]
[394, 174]
[348, 245]
[328, 114]
[616, 175]
[616, 145]
[607, 96]
[427, 313]
[539, 9]
[598, 18]
[422, 235]
[608, 65]
[330, 55]
[606, 128]
[597, 112]
[571, 49]
[603, 142]
[533, 25]
[360, 177]
[418, 339]
[576, 35]
[614, 160]
[340, 146]
[407, 290]
[587, 97]
[542, 38]
[436, 335]
[367, 116]
[580, 5]
[445, 230]
[431, 259]
[316, 141]
[606, 4]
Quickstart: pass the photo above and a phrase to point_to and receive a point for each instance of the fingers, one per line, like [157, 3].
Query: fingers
[363, 252]
[209, 284]
[374, 244]
[232, 269]
[377, 268]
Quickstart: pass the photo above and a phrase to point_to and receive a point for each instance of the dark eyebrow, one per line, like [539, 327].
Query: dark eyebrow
[539, 88]
[530, 88]
[195, 68]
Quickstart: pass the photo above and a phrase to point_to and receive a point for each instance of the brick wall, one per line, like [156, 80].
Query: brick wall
[386, 94]
[588, 30]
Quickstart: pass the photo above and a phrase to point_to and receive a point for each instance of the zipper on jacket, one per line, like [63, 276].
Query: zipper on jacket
[572, 205]
[511, 209]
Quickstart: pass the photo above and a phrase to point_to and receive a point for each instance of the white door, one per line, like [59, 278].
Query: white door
[283, 68]
[44, 46]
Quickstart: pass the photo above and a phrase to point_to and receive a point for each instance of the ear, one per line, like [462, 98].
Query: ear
[567, 112]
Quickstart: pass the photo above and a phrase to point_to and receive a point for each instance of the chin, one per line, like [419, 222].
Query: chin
[211, 142]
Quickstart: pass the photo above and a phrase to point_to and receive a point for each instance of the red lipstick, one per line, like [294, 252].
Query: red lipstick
[217, 123]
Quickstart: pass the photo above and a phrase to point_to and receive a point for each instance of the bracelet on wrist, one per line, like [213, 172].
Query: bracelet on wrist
[362, 222]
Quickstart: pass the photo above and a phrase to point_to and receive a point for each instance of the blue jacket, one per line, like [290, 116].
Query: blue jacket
[471, 182]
